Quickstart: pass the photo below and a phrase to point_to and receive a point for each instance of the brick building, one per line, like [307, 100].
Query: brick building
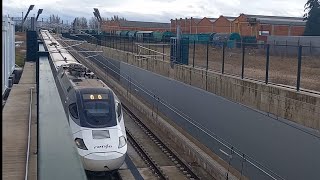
[113, 26]
[245, 24]
[224, 24]
[188, 26]
[262, 26]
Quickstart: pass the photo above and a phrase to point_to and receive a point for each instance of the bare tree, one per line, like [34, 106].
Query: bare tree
[80, 22]
[93, 23]
[54, 19]
[116, 18]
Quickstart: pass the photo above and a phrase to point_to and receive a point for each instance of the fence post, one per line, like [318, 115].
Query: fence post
[121, 45]
[310, 49]
[267, 63]
[194, 52]
[116, 41]
[163, 52]
[132, 45]
[124, 44]
[242, 69]
[149, 53]
[136, 47]
[223, 54]
[286, 48]
[299, 67]
[207, 55]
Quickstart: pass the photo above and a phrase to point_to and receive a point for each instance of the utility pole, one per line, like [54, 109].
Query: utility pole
[25, 17]
[22, 22]
[96, 13]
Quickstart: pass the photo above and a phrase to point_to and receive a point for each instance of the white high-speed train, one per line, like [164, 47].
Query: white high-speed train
[94, 111]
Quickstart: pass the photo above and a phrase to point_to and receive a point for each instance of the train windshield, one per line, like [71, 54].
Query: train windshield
[98, 111]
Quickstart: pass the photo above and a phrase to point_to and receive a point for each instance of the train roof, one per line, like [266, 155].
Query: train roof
[88, 83]
[80, 76]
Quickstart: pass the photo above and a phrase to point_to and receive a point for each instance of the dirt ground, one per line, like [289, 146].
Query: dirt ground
[282, 69]
[20, 48]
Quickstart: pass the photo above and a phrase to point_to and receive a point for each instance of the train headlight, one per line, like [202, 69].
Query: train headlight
[122, 141]
[80, 144]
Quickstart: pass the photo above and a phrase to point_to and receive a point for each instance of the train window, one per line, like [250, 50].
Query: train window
[99, 113]
[119, 110]
[73, 110]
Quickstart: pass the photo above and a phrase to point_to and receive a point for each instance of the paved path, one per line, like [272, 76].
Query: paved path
[15, 128]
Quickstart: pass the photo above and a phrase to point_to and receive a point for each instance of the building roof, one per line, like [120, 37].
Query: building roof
[212, 19]
[144, 24]
[196, 20]
[230, 18]
[278, 20]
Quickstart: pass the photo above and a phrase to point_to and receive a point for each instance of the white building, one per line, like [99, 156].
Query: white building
[8, 52]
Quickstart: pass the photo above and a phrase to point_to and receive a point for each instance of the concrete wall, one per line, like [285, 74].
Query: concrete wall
[299, 107]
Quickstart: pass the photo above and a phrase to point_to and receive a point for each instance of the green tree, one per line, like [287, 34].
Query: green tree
[312, 15]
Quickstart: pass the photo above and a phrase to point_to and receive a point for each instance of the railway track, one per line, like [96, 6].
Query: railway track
[153, 155]
[114, 176]
[161, 161]
[181, 169]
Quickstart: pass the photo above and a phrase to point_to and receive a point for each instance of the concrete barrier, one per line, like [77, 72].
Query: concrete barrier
[300, 107]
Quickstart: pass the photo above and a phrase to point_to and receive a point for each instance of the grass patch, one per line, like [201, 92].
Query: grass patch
[20, 50]
[20, 59]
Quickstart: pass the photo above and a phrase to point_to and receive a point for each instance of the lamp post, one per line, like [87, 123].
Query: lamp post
[96, 13]
[25, 17]
[36, 19]
[39, 12]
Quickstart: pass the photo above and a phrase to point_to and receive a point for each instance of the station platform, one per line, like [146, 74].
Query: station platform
[15, 125]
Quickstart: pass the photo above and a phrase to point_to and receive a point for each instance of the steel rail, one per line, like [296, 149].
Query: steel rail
[181, 166]
[144, 155]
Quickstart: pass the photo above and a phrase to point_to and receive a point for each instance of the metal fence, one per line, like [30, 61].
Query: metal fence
[286, 45]
[287, 64]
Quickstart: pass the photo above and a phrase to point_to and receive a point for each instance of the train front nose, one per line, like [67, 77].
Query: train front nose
[103, 161]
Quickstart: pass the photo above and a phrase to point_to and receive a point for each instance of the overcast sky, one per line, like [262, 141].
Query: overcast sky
[154, 10]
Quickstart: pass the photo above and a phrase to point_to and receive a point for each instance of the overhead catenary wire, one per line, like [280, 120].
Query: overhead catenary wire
[197, 125]
[269, 93]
